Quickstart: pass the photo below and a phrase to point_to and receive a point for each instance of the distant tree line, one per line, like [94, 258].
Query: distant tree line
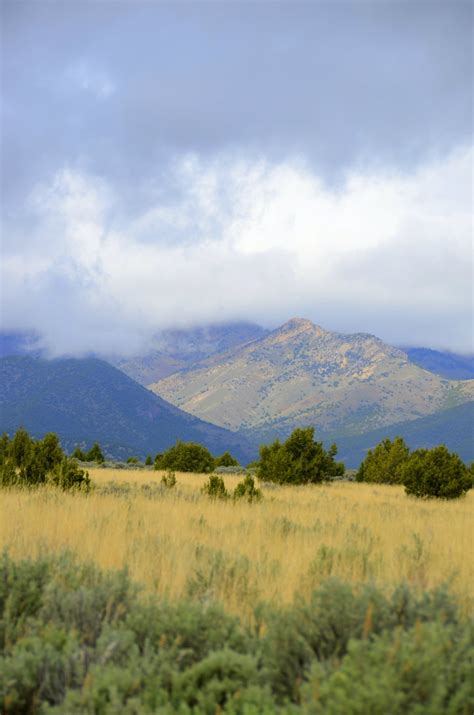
[300, 459]
[27, 462]
[93, 455]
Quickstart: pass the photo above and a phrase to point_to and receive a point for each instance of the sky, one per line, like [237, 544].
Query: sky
[171, 164]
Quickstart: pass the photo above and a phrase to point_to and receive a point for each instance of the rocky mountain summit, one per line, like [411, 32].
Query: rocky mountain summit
[302, 374]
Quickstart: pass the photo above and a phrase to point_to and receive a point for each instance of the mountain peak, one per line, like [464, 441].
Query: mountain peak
[298, 324]
[302, 325]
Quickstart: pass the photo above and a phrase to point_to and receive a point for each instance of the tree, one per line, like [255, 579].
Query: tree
[21, 447]
[148, 460]
[95, 454]
[4, 447]
[186, 457]
[79, 454]
[31, 463]
[435, 473]
[49, 451]
[226, 460]
[384, 464]
[299, 460]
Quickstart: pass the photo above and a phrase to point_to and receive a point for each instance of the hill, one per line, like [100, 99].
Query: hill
[302, 374]
[176, 350]
[453, 427]
[88, 399]
[444, 363]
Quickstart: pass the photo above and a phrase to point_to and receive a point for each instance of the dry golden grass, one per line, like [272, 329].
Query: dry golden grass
[180, 543]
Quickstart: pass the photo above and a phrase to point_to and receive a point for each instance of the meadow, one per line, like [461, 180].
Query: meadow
[178, 543]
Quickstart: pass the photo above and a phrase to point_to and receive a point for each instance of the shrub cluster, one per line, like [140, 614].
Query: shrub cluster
[93, 455]
[299, 460]
[191, 457]
[246, 489]
[226, 460]
[28, 462]
[432, 472]
[77, 640]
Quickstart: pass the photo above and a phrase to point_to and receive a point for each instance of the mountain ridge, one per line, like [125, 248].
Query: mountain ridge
[301, 373]
[84, 400]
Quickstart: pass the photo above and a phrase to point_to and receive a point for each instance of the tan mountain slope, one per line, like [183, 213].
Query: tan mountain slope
[302, 374]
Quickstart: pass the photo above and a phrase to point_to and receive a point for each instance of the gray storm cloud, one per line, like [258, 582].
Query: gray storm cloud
[170, 164]
[387, 252]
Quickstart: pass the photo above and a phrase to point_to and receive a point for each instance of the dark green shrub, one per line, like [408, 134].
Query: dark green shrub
[247, 490]
[49, 451]
[216, 680]
[20, 448]
[9, 476]
[299, 460]
[133, 460]
[4, 447]
[68, 475]
[28, 462]
[34, 472]
[79, 454]
[436, 473]
[215, 487]
[186, 457]
[95, 454]
[226, 460]
[169, 479]
[148, 460]
[384, 463]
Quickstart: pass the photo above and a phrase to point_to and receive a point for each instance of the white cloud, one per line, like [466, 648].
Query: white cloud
[387, 252]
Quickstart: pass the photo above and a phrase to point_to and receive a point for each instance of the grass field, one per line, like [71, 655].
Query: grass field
[179, 543]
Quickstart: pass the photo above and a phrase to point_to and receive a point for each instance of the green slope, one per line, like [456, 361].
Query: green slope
[454, 428]
[87, 399]
[444, 363]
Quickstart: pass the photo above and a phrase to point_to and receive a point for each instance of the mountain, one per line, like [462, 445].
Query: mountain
[302, 374]
[16, 343]
[179, 349]
[446, 364]
[453, 427]
[86, 400]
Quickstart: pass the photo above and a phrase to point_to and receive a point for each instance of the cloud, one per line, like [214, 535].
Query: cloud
[224, 238]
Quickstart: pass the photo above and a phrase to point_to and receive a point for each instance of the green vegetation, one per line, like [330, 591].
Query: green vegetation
[451, 427]
[215, 488]
[74, 640]
[26, 462]
[82, 400]
[424, 473]
[186, 457]
[436, 473]
[247, 490]
[93, 455]
[384, 464]
[149, 460]
[169, 479]
[226, 460]
[299, 460]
